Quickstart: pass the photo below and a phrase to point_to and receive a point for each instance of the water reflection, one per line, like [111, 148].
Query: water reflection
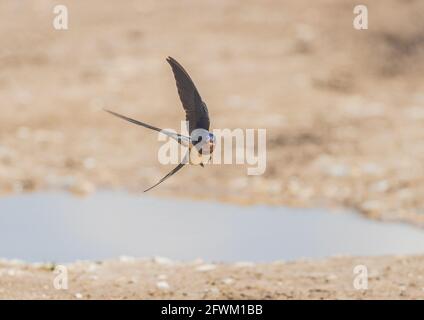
[62, 228]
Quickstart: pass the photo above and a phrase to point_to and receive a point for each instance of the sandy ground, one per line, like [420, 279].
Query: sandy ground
[160, 278]
[343, 109]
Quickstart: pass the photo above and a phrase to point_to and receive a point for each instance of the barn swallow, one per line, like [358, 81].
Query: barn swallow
[201, 141]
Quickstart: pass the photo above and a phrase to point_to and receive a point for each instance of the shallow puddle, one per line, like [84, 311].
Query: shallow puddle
[62, 228]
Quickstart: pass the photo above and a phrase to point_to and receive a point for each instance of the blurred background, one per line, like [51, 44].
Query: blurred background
[343, 108]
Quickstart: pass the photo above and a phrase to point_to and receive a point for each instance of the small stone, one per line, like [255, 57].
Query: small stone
[371, 169]
[305, 32]
[78, 295]
[331, 277]
[244, 264]
[371, 205]
[380, 186]
[274, 187]
[239, 183]
[405, 194]
[338, 170]
[133, 280]
[415, 112]
[162, 260]
[162, 285]
[126, 259]
[206, 267]
[214, 290]
[227, 281]
[5, 153]
[23, 133]
[197, 261]
[92, 267]
[83, 188]
[89, 163]
[11, 272]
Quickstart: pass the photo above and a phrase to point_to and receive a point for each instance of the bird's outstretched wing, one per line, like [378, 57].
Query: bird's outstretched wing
[196, 110]
[175, 170]
[173, 135]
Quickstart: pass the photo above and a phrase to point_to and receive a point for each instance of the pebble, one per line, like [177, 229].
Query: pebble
[11, 272]
[163, 285]
[227, 281]
[206, 267]
[78, 295]
[23, 133]
[92, 267]
[83, 188]
[380, 186]
[239, 183]
[338, 170]
[5, 153]
[162, 260]
[126, 259]
[89, 163]
[371, 205]
[371, 169]
[331, 277]
[415, 113]
[213, 290]
[43, 136]
[244, 264]
[197, 261]
[305, 32]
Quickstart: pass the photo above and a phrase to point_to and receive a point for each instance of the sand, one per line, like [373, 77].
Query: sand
[161, 278]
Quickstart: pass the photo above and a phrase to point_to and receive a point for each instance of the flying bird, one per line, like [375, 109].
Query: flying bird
[201, 141]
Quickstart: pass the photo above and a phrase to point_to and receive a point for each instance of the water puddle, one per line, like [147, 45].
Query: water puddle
[63, 228]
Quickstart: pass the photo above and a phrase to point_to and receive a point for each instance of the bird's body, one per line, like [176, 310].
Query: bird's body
[201, 142]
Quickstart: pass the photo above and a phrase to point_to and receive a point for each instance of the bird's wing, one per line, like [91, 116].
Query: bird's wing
[175, 170]
[196, 110]
[173, 135]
